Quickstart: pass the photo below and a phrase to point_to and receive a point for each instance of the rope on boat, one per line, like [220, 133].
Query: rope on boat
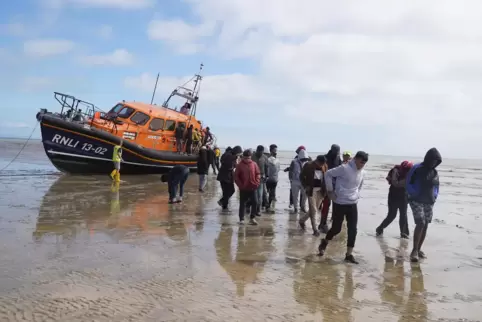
[23, 147]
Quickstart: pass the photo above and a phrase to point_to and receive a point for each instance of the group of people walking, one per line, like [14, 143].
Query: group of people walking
[326, 180]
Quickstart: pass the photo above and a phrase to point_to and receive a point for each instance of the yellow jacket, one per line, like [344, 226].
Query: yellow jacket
[196, 136]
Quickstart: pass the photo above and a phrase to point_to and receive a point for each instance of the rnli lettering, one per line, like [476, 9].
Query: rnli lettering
[60, 139]
[87, 147]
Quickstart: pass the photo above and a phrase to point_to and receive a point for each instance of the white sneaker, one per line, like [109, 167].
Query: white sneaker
[241, 222]
[179, 199]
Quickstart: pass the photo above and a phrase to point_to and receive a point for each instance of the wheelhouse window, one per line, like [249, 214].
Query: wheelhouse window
[116, 109]
[183, 124]
[140, 118]
[170, 125]
[126, 112]
[156, 124]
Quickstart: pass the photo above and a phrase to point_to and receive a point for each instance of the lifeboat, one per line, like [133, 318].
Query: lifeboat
[80, 139]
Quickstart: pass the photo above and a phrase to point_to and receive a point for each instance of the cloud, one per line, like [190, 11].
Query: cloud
[217, 90]
[376, 62]
[47, 47]
[105, 31]
[119, 57]
[184, 37]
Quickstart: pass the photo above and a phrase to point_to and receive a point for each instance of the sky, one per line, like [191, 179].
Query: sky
[384, 76]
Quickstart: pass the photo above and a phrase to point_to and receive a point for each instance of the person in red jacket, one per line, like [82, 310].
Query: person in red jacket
[247, 177]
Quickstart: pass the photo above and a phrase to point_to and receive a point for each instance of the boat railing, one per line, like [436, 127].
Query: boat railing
[76, 110]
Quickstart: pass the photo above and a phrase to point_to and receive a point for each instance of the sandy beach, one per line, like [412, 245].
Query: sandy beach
[74, 249]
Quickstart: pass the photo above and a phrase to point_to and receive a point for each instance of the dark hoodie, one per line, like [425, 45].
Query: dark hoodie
[228, 163]
[423, 180]
[333, 158]
[202, 162]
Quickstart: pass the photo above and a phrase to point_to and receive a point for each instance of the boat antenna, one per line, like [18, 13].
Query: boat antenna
[155, 87]
[197, 78]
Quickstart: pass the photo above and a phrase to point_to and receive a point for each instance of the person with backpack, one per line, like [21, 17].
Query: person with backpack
[397, 199]
[422, 185]
[312, 180]
[247, 177]
[175, 178]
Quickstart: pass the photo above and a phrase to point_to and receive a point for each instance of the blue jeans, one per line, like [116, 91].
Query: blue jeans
[259, 195]
[181, 180]
[202, 181]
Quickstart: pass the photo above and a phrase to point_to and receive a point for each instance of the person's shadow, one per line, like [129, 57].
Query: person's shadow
[317, 288]
[252, 252]
[393, 287]
[416, 306]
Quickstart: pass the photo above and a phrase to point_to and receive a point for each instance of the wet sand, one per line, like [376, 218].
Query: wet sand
[74, 249]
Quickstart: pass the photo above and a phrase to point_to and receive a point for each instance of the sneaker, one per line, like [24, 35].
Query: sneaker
[220, 203]
[294, 211]
[201, 190]
[421, 254]
[316, 233]
[290, 206]
[170, 201]
[379, 231]
[253, 222]
[414, 257]
[404, 236]
[350, 259]
[322, 247]
[258, 214]
[241, 222]
[302, 225]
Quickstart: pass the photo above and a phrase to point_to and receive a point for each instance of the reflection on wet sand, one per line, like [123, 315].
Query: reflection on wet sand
[122, 211]
[253, 247]
[317, 287]
[105, 252]
[416, 306]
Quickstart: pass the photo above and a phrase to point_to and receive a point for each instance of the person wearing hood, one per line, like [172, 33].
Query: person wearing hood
[422, 185]
[262, 161]
[333, 160]
[273, 168]
[296, 186]
[202, 168]
[247, 177]
[345, 193]
[312, 180]
[397, 199]
[301, 147]
[225, 174]
[177, 176]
